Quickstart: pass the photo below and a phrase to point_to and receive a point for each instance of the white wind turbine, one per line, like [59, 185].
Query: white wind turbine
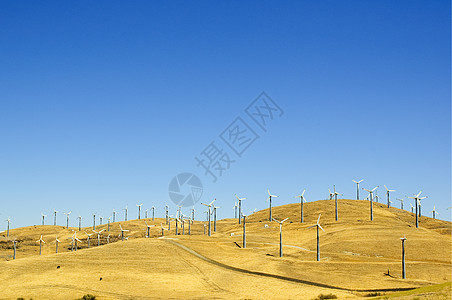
[79, 223]
[94, 221]
[235, 210]
[302, 200]
[114, 216]
[108, 238]
[280, 235]
[88, 241]
[215, 218]
[153, 213]
[330, 195]
[434, 212]
[100, 220]
[98, 236]
[240, 208]
[401, 202]
[387, 194]
[146, 213]
[122, 232]
[335, 200]
[14, 246]
[54, 217]
[412, 207]
[148, 229]
[244, 231]
[317, 225]
[67, 219]
[40, 241]
[7, 230]
[43, 218]
[56, 244]
[161, 225]
[166, 213]
[193, 210]
[270, 196]
[125, 213]
[403, 239]
[371, 197]
[209, 212]
[417, 201]
[139, 210]
[108, 224]
[357, 187]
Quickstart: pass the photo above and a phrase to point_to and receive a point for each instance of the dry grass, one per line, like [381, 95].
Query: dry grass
[355, 255]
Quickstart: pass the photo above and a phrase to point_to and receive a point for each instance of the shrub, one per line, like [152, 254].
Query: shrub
[88, 297]
[328, 296]
[375, 294]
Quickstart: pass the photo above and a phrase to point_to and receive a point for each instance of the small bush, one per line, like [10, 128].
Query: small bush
[328, 296]
[373, 294]
[88, 297]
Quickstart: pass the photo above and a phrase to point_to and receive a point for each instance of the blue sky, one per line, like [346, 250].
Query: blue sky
[103, 103]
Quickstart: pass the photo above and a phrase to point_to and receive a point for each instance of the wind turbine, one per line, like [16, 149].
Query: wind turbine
[403, 239]
[280, 235]
[98, 236]
[335, 200]
[75, 239]
[14, 246]
[114, 216]
[193, 213]
[412, 207]
[416, 199]
[108, 224]
[79, 223]
[210, 212]
[54, 217]
[43, 218]
[122, 232]
[146, 213]
[125, 213]
[387, 194]
[148, 230]
[139, 210]
[270, 199]
[67, 219]
[371, 194]
[244, 231]
[108, 238]
[317, 225]
[153, 213]
[235, 210]
[302, 199]
[331, 195]
[89, 238]
[240, 208]
[166, 213]
[215, 218]
[56, 244]
[100, 220]
[421, 198]
[401, 202]
[40, 244]
[161, 225]
[7, 230]
[357, 187]
[434, 212]
[94, 221]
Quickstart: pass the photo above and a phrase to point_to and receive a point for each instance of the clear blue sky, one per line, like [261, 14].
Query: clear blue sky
[103, 102]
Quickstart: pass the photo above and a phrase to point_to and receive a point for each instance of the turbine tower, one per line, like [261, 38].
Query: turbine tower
[122, 232]
[417, 201]
[371, 197]
[270, 200]
[54, 217]
[235, 210]
[125, 213]
[434, 212]
[209, 213]
[302, 200]
[215, 218]
[153, 213]
[139, 210]
[317, 225]
[43, 218]
[403, 239]
[148, 229]
[79, 223]
[40, 241]
[7, 230]
[240, 208]
[401, 202]
[387, 195]
[335, 201]
[94, 221]
[67, 219]
[56, 244]
[357, 187]
[280, 235]
[114, 216]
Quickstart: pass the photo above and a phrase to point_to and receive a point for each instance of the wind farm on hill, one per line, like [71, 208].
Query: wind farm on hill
[306, 250]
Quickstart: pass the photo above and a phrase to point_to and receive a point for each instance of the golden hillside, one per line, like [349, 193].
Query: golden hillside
[356, 254]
